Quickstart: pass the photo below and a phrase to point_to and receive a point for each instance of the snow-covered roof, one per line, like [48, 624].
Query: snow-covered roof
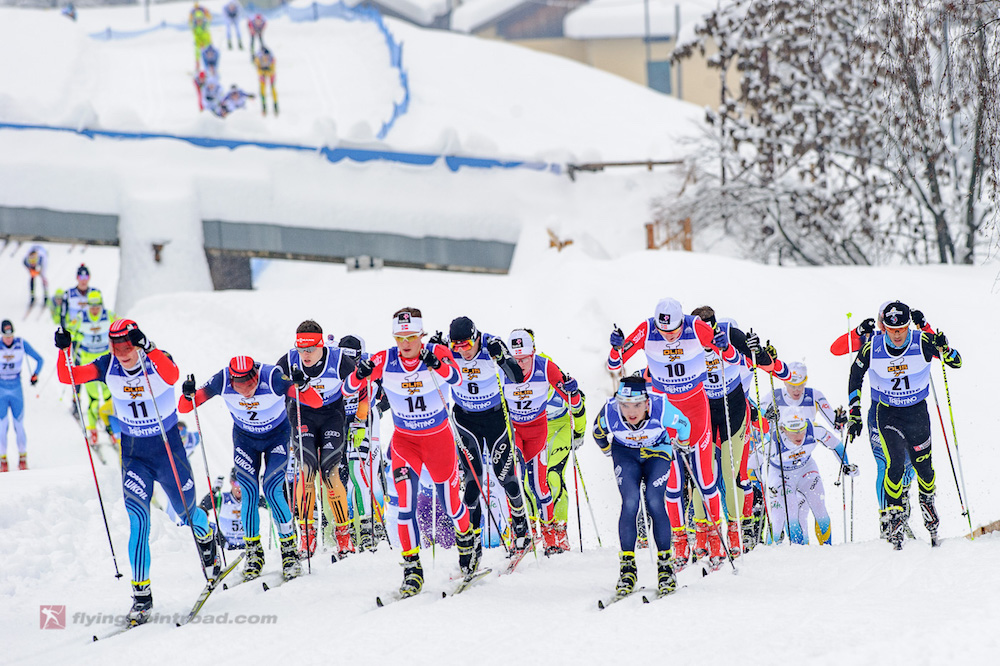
[421, 12]
[607, 19]
[475, 13]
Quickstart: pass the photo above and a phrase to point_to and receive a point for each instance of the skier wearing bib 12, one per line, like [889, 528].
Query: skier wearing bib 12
[141, 379]
[675, 344]
[255, 396]
[412, 375]
[898, 364]
[527, 402]
[637, 429]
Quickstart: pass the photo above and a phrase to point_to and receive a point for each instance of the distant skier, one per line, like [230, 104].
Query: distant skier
[141, 378]
[638, 429]
[36, 261]
[234, 99]
[12, 351]
[77, 296]
[255, 396]
[255, 26]
[210, 59]
[229, 506]
[266, 67]
[69, 10]
[199, 20]
[233, 11]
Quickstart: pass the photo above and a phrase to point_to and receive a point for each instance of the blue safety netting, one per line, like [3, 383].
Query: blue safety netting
[313, 12]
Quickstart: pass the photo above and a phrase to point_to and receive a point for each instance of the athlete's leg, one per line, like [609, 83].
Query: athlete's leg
[560, 442]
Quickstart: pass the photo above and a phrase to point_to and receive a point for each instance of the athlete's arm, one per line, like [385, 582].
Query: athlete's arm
[449, 368]
[858, 370]
[203, 394]
[633, 343]
[164, 365]
[81, 373]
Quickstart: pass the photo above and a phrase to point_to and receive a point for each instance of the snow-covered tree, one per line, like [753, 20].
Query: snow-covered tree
[863, 131]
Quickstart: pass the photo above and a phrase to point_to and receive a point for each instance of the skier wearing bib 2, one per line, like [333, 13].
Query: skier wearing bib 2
[412, 374]
[255, 396]
[141, 379]
[638, 430]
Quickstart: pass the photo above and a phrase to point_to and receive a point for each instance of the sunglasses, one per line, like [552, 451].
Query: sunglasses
[310, 349]
[407, 338]
[245, 379]
[461, 345]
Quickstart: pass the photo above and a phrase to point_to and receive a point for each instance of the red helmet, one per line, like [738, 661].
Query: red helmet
[120, 328]
[242, 369]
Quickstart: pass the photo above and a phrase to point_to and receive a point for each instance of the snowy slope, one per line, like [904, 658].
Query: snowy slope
[859, 603]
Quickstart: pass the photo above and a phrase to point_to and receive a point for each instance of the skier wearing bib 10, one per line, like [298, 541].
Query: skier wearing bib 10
[412, 374]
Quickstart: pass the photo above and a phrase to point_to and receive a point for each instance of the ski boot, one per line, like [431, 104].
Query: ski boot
[344, 544]
[716, 554]
[519, 523]
[734, 538]
[290, 567]
[907, 532]
[466, 544]
[680, 541]
[931, 520]
[366, 540]
[380, 534]
[413, 575]
[210, 557]
[666, 581]
[560, 535]
[92, 436]
[142, 603]
[701, 539]
[883, 524]
[254, 558]
[307, 539]
[550, 539]
[3, 464]
[894, 534]
[749, 534]
[22, 462]
[479, 546]
[628, 574]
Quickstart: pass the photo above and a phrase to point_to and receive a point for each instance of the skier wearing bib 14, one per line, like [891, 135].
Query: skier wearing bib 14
[412, 374]
[675, 344]
[141, 379]
[255, 396]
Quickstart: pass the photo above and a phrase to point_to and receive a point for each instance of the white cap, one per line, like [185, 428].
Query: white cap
[799, 373]
[668, 315]
[793, 422]
[521, 343]
[405, 323]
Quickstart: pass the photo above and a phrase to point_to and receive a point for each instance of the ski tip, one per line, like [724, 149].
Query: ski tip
[704, 572]
[444, 595]
[264, 585]
[378, 602]
[645, 599]
[600, 604]
[225, 586]
[95, 638]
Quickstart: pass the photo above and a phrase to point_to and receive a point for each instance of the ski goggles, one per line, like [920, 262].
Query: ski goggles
[462, 345]
[121, 345]
[408, 338]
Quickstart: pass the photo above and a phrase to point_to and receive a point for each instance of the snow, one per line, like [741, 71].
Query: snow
[471, 15]
[850, 603]
[609, 19]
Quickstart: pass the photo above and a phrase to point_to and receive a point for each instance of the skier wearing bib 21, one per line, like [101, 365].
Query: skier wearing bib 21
[141, 379]
[411, 374]
[638, 431]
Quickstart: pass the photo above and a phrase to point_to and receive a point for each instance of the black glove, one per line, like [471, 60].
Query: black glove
[299, 378]
[428, 357]
[839, 418]
[188, 388]
[940, 340]
[138, 339]
[364, 368]
[438, 339]
[854, 422]
[753, 342]
[63, 339]
[721, 340]
[495, 349]
[771, 413]
[918, 318]
[850, 470]
[383, 404]
[771, 351]
[34, 379]
[865, 328]
[617, 338]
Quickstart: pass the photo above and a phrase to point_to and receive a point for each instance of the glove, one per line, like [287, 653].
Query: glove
[495, 348]
[940, 340]
[617, 338]
[428, 357]
[839, 418]
[299, 378]
[188, 388]
[34, 379]
[866, 328]
[438, 339]
[682, 447]
[753, 342]
[771, 351]
[217, 486]
[854, 423]
[721, 340]
[138, 339]
[62, 338]
[364, 368]
[771, 413]
[356, 436]
[918, 318]
[570, 385]
[849, 470]
[578, 438]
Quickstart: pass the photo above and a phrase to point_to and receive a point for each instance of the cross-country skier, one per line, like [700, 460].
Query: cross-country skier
[77, 296]
[90, 340]
[322, 431]
[481, 420]
[141, 378]
[12, 351]
[255, 26]
[898, 364]
[229, 506]
[199, 20]
[36, 261]
[266, 65]
[527, 402]
[210, 58]
[233, 12]
[637, 429]
[564, 436]
[255, 396]
[416, 378]
[55, 306]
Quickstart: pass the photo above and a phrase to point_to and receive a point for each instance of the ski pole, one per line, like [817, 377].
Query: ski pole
[576, 489]
[170, 456]
[852, 509]
[704, 502]
[777, 439]
[763, 462]
[90, 455]
[959, 489]
[590, 507]
[729, 436]
[208, 475]
[302, 474]
[645, 520]
[517, 463]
